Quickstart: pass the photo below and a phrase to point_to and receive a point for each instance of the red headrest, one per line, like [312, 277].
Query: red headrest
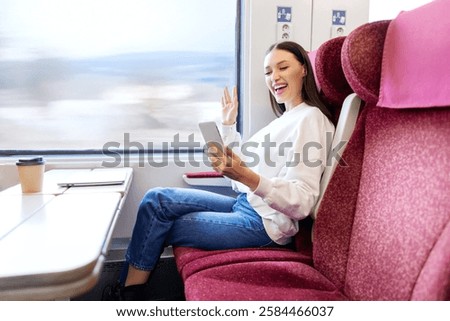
[361, 59]
[330, 75]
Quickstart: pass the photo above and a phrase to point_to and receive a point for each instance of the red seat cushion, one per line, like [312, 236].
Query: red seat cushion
[190, 261]
[266, 281]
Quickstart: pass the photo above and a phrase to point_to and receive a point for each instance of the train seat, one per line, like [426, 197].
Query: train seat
[361, 62]
[400, 238]
[383, 228]
[190, 261]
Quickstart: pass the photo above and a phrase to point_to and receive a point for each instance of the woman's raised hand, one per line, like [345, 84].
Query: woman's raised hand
[229, 106]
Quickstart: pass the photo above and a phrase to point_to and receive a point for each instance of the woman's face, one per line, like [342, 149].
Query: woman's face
[284, 77]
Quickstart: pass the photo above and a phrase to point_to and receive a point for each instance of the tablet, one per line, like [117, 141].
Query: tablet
[211, 133]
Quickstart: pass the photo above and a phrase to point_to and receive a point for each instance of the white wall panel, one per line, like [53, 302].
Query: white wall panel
[259, 32]
[357, 13]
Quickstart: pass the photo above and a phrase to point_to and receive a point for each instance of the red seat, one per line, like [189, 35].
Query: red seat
[266, 281]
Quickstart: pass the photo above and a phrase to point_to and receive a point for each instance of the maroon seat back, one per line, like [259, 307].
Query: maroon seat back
[333, 226]
[333, 88]
[383, 230]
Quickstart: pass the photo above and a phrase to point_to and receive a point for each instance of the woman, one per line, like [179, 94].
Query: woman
[276, 174]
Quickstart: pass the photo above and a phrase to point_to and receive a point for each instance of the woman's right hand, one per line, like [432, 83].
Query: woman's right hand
[229, 106]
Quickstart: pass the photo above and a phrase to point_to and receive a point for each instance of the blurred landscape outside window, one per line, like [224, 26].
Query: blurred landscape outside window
[79, 74]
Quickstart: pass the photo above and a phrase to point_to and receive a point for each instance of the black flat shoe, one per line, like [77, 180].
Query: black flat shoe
[111, 292]
[118, 292]
[133, 293]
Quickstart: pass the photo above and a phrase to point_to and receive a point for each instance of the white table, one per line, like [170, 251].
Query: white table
[53, 246]
[16, 209]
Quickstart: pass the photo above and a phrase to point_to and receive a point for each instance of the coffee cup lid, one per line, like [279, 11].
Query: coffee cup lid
[30, 161]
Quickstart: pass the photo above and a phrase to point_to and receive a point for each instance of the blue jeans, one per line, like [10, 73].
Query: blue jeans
[193, 218]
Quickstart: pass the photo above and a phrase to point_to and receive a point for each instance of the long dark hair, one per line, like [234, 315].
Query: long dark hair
[310, 93]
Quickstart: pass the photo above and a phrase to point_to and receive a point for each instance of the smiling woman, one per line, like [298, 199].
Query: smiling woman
[78, 74]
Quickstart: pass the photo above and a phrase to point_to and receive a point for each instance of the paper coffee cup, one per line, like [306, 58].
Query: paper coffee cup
[31, 174]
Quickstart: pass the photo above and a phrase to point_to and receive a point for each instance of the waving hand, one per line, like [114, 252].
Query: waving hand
[229, 106]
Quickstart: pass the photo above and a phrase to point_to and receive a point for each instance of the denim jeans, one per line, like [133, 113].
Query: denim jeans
[194, 218]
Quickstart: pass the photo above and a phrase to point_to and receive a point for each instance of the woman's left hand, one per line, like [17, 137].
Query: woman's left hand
[224, 161]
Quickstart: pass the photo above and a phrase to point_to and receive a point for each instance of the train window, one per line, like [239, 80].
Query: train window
[80, 75]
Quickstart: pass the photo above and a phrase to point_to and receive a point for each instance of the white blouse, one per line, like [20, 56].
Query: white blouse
[289, 154]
